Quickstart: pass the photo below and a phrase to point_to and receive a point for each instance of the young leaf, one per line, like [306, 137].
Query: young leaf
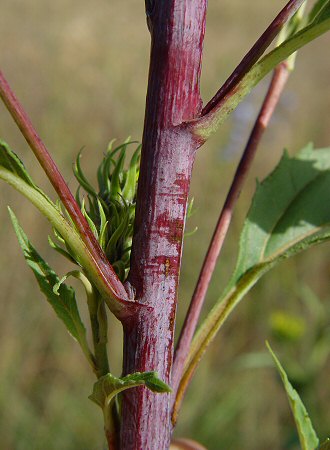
[131, 180]
[10, 161]
[60, 296]
[289, 213]
[307, 436]
[108, 386]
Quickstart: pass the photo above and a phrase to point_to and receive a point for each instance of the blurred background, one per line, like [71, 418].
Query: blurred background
[80, 70]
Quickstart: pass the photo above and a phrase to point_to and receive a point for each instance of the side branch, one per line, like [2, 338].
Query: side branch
[277, 84]
[107, 274]
[255, 53]
[203, 127]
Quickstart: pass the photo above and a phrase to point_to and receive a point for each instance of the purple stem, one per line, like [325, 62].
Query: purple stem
[168, 152]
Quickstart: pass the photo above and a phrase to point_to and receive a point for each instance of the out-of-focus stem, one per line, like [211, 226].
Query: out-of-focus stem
[277, 84]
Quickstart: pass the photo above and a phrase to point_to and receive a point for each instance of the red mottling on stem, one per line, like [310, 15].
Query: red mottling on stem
[168, 151]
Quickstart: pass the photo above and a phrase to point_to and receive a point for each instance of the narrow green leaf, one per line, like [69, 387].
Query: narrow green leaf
[307, 436]
[129, 189]
[60, 296]
[89, 220]
[65, 231]
[108, 386]
[77, 170]
[316, 9]
[323, 13]
[115, 188]
[10, 161]
[61, 250]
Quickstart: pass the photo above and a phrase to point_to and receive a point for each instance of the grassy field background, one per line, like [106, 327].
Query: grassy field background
[80, 69]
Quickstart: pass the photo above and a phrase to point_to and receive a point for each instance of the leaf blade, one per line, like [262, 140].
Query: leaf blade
[253, 262]
[108, 386]
[60, 296]
[307, 435]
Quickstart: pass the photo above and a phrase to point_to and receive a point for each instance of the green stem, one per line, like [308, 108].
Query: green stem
[99, 324]
[70, 235]
[206, 125]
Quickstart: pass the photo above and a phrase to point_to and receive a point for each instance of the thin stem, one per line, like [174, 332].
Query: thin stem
[254, 54]
[99, 325]
[277, 84]
[39, 149]
[204, 126]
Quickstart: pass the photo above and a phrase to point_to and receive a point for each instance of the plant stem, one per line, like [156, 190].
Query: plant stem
[254, 54]
[168, 151]
[39, 149]
[275, 89]
[207, 124]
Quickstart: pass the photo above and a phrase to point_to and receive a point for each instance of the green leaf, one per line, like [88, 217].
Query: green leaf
[289, 207]
[10, 161]
[129, 189]
[60, 296]
[316, 9]
[290, 213]
[323, 12]
[61, 250]
[79, 174]
[307, 436]
[108, 386]
[65, 229]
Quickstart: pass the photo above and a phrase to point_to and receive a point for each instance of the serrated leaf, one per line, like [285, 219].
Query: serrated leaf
[290, 210]
[62, 299]
[290, 213]
[108, 386]
[307, 435]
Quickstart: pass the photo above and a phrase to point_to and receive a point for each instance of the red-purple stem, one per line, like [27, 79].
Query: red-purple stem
[254, 54]
[39, 149]
[277, 84]
[168, 152]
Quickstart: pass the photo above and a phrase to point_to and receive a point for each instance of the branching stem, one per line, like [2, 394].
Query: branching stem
[255, 53]
[277, 84]
[39, 149]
